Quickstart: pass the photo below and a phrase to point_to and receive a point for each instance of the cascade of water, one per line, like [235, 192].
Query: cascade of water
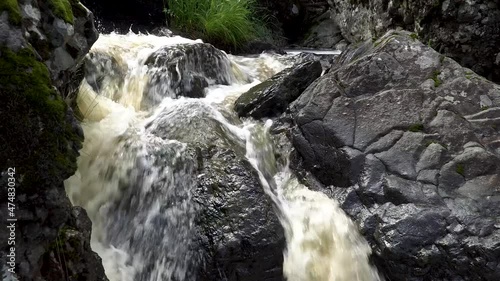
[136, 183]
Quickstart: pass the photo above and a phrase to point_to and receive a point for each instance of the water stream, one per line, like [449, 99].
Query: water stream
[136, 182]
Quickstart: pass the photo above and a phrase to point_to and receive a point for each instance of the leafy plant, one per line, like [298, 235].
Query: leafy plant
[230, 22]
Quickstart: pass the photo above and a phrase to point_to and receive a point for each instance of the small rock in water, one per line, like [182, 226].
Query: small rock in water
[272, 97]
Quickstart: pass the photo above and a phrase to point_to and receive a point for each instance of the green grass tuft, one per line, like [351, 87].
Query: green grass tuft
[230, 22]
[62, 9]
[414, 36]
[12, 7]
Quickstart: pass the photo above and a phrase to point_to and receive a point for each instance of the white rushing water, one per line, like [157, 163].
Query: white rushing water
[125, 182]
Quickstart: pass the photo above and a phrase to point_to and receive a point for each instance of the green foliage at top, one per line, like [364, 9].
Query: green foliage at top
[12, 7]
[230, 22]
[34, 133]
[62, 9]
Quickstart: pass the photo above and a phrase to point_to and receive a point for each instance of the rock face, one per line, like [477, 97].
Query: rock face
[466, 31]
[239, 232]
[272, 97]
[324, 34]
[294, 17]
[415, 139]
[186, 70]
[41, 43]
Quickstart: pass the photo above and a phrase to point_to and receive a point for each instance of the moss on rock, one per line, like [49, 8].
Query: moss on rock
[38, 139]
[63, 9]
[12, 7]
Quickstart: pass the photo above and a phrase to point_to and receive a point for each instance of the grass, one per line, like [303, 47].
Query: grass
[12, 7]
[231, 22]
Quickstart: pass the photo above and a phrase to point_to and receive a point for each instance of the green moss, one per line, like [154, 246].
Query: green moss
[12, 7]
[460, 169]
[414, 36]
[435, 77]
[22, 73]
[62, 9]
[416, 128]
[37, 140]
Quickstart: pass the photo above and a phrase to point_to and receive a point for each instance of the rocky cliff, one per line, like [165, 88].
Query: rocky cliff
[41, 43]
[466, 31]
[413, 137]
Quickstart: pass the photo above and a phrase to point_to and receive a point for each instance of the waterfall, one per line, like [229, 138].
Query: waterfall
[136, 175]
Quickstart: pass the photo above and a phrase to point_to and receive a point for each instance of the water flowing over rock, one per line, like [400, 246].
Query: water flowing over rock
[186, 70]
[272, 97]
[185, 190]
[240, 234]
[40, 46]
[413, 138]
[466, 31]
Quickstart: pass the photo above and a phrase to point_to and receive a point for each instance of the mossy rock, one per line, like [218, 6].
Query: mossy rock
[12, 8]
[63, 9]
[37, 137]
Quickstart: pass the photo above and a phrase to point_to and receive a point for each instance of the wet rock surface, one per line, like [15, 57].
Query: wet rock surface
[409, 139]
[466, 31]
[239, 232]
[40, 47]
[272, 97]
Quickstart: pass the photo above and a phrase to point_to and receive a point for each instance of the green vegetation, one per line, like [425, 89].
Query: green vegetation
[36, 137]
[460, 169]
[469, 74]
[435, 77]
[62, 9]
[416, 128]
[12, 7]
[414, 36]
[230, 22]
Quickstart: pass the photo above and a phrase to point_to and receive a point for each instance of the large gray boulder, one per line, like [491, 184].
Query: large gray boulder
[185, 70]
[410, 139]
[466, 31]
